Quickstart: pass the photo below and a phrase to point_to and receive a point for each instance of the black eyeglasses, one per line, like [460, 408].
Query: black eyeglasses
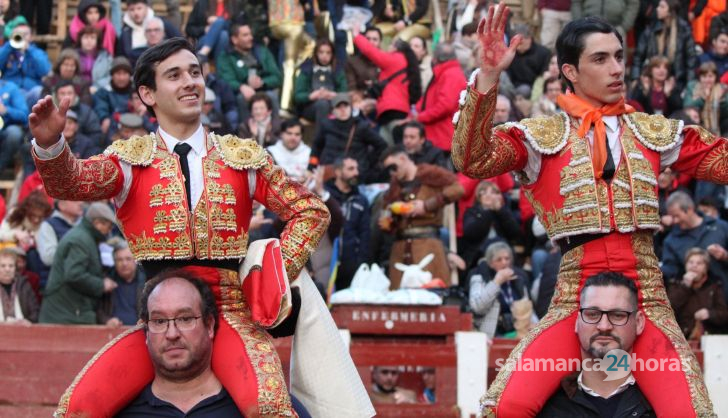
[183, 323]
[616, 318]
[392, 168]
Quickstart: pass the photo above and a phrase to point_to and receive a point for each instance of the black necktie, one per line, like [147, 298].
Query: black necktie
[182, 149]
[609, 168]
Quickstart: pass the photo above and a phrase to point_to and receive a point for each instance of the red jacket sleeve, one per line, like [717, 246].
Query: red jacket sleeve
[703, 155]
[477, 150]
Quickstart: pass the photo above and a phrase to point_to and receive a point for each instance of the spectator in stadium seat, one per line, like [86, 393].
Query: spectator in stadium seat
[670, 36]
[92, 13]
[531, 60]
[225, 102]
[467, 48]
[14, 113]
[402, 19]
[22, 223]
[698, 299]
[88, 121]
[216, 120]
[68, 67]
[208, 25]
[537, 90]
[419, 47]
[113, 100]
[317, 83]
[362, 73]
[290, 152]
[65, 216]
[718, 52]
[620, 14]
[154, 31]
[77, 280]
[96, 62]
[494, 285]
[355, 233]
[120, 306]
[18, 303]
[23, 62]
[656, 91]
[420, 149]
[385, 389]
[555, 14]
[546, 104]
[503, 110]
[400, 78]
[332, 140]
[692, 230]
[81, 145]
[487, 220]
[263, 125]
[133, 41]
[248, 68]
[709, 95]
[440, 99]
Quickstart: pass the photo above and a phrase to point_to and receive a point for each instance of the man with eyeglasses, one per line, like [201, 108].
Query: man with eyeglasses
[180, 321]
[384, 387]
[608, 320]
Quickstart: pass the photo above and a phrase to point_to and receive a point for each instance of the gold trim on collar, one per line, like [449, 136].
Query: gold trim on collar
[240, 154]
[137, 150]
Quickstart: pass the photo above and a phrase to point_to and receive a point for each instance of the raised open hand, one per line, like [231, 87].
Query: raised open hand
[46, 121]
[496, 56]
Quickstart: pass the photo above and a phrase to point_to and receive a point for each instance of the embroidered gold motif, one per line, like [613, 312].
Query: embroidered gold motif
[714, 167]
[240, 154]
[218, 193]
[68, 178]
[211, 168]
[175, 220]
[564, 302]
[65, 400]
[656, 132]
[476, 150]
[151, 248]
[199, 226]
[137, 150]
[273, 399]
[171, 194]
[658, 311]
[222, 220]
[168, 167]
[547, 134]
[306, 215]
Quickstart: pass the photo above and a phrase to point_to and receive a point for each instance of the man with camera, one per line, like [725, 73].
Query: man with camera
[22, 62]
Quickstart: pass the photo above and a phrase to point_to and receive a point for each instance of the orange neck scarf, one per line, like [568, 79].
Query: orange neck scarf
[590, 115]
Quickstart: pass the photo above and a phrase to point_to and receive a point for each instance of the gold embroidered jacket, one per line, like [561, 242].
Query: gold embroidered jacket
[564, 193]
[155, 217]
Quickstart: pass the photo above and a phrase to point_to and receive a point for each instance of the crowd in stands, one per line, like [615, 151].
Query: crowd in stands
[364, 118]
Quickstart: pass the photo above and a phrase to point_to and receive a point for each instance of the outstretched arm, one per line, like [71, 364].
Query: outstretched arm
[64, 176]
[476, 151]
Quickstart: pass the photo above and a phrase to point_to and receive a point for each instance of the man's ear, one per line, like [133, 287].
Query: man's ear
[147, 96]
[640, 318]
[570, 72]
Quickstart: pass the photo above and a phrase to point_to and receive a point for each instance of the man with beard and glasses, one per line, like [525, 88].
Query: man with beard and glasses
[354, 239]
[608, 320]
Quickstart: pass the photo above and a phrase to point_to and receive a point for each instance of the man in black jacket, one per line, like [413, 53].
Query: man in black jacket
[608, 320]
[354, 239]
[420, 149]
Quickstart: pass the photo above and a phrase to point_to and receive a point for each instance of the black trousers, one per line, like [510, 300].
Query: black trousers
[42, 9]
